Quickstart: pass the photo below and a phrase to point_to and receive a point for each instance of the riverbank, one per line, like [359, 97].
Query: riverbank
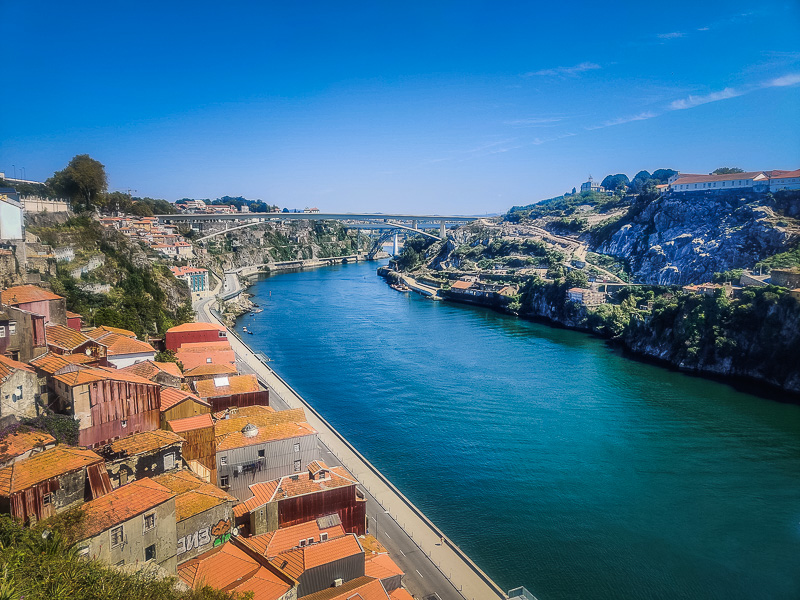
[461, 578]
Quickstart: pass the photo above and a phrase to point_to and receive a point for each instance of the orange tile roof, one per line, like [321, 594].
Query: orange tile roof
[210, 369]
[196, 327]
[194, 359]
[381, 566]
[461, 285]
[258, 416]
[171, 397]
[8, 367]
[21, 441]
[277, 425]
[65, 337]
[43, 466]
[122, 504]
[119, 344]
[104, 329]
[362, 588]
[146, 441]
[149, 369]
[214, 346]
[219, 568]
[290, 486]
[237, 384]
[784, 174]
[400, 594]
[50, 362]
[73, 315]
[287, 538]
[190, 423]
[194, 494]
[22, 294]
[294, 562]
[264, 585]
[83, 375]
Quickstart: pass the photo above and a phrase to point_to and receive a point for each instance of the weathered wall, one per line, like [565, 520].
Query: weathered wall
[139, 466]
[204, 531]
[10, 401]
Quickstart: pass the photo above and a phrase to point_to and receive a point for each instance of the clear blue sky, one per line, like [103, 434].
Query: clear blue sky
[450, 107]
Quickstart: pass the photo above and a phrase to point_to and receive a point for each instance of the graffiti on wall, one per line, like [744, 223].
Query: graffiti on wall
[221, 533]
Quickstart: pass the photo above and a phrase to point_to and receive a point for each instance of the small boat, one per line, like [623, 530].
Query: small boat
[244, 329]
[258, 310]
[250, 332]
[400, 287]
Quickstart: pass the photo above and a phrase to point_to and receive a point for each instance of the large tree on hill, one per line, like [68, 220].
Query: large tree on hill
[638, 181]
[612, 182]
[83, 180]
[664, 174]
[727, 171]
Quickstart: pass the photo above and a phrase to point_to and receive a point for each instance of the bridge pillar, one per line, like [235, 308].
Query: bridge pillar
[414, 224]
[394, 246]
[442, 230]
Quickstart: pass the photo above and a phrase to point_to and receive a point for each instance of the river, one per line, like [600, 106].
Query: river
[553, 461]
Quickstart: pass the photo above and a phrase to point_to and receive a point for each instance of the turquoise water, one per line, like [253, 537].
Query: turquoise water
[553, 461]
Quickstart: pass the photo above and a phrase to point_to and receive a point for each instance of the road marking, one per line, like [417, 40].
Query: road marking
[420, 574]
[386, 534]
[401, 552]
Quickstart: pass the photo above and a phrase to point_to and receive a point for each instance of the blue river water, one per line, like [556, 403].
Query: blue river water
[553, 461]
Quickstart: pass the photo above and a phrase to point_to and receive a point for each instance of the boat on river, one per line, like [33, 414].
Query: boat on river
[400, 287]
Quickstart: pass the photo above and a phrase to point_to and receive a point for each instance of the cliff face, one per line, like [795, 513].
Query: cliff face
[677, 241]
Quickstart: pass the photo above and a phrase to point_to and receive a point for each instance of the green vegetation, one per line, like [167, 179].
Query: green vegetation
[83, 180]
[563, 206]
[62, 427]
[617, 266]
[784, 260]
[39, 564]
[144, 297]
[727, 171]
[413, 252]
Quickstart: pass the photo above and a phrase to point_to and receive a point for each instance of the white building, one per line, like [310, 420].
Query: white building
[11, 215]
[592, 186]
[690, 182]
[784, 180]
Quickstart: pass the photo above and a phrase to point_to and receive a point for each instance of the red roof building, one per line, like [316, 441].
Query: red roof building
[194, 332]
[224, 391]
[37, 300]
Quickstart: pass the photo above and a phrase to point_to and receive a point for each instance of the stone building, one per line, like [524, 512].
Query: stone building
[22, 443]
[51, 482]
[133, 524]
[146, 454]
[19, 389]
[203, 512]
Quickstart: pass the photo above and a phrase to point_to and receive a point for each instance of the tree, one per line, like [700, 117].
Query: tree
[576, 278]
[639, 180]
[727, 171]
[664, 174]
[83, 180]
[612, 182]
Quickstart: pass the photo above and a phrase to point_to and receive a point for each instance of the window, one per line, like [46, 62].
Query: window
[223, 460]
[124, 422]
[302, 543]
[150, 553]
[2, 332]
[208, 360]
[116, 536]
[120, 563]
[169, 461]
[12, 327]
[261, 454]
[222, 334]
[47, 499]
[297, 447]
[83, 552]
[310, 540]
[323, 537]
[297, 466]
[149, 521]
[223, 481]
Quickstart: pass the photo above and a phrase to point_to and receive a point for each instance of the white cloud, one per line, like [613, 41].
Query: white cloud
[643, 116]
[534, 121]
[786, 80]
[693, 101]
[672, 35]
[566, 71]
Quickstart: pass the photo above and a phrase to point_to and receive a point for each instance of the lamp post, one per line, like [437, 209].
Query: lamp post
[23, 173]
[15, 171]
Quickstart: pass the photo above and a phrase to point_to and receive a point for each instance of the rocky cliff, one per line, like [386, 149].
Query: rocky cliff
[682, 239]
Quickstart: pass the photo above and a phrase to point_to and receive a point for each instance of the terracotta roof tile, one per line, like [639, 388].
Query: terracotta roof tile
[43, 466]
[264, 585]
[122, 504]
[275, 425]
[104, 329]
[190, 423]
[169, 367]
[171, 397]
[65, 337]
[82, 375]
[461, 285]
[196, 358]
[205, 346]
[196, 327]
[211, 369]
[696, 178]
[237, 384]
[381, 566]
[21, 441]
[73, 315]
[400, 594]
[8, 367]
[119, 344]
[147, 441]
[362, 588]
[22, 294]
[149, 369]
[287, 538]
[194, 495]
[219, 568]
[50, 362]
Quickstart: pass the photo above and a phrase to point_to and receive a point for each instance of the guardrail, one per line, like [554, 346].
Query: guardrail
[410, 505]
